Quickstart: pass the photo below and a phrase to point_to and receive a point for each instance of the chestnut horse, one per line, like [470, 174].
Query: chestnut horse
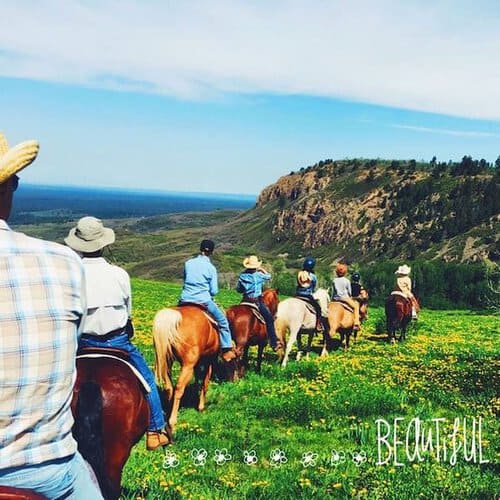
[341, 320]
[184, 333]
[398, 315]
[111, 415]
[247, 330]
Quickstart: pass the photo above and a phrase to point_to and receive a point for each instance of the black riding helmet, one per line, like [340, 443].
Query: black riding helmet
[356, 277]
[207, 246]
[309, 263]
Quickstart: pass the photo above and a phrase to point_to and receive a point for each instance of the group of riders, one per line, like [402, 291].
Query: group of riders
[102, 317]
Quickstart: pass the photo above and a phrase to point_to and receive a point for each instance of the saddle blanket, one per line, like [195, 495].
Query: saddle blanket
[307, 303]
[135, 371]
[255, 311]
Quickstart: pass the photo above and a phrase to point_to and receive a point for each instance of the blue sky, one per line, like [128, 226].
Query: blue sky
[227, 96]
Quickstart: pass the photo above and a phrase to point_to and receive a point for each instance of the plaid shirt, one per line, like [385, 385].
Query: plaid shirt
[41, 306]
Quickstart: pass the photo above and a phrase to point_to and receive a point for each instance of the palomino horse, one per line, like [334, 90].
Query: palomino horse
[111, 415]
[398, 315]
[247, 330]
[187, 334]
[341, 320]
[295, 316]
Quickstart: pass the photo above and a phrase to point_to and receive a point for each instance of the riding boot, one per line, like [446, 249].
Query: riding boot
[413, 313]
[156, 439]
[228, 354]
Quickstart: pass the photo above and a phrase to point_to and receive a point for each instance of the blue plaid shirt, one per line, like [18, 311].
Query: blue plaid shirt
[42, 302]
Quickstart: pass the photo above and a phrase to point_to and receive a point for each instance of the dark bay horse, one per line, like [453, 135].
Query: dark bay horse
[187, 334]
[247, 330]
[398, 316]
[111, 415]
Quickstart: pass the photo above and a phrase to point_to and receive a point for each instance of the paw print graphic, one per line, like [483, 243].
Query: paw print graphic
[170, 460]
[309, 459]
[359, 457]
[277, 457]
[199, 457]
[250, 457]
[337, 457]
[221, 456]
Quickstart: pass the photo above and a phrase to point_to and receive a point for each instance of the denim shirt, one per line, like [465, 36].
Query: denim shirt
[250, 283]
[307, 290]
[200, 280]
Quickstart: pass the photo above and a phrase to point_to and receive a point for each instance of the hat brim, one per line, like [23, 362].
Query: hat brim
[80, 245]
[17, 158]
[252, 265]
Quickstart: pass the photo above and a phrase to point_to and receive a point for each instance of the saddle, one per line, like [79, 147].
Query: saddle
[203, 309]
[255, 310]
[118, 354]
[312, 310]
[346, 306]
[308, 304]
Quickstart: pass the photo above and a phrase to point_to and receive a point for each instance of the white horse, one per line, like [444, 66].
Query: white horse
[294, 315]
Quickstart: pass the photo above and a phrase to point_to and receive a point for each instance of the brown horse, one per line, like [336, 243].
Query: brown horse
[184, 333]
[9, 493]
[111, 415]
[398, 316]
[247, 330]
[341, 320]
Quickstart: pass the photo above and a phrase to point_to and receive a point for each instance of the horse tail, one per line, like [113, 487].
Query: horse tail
[281, 327]
[88, 429]
[165, 336]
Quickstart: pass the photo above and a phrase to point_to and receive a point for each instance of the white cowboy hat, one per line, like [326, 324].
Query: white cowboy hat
[89, 235]
[12, 160]
[303, 278]
[404, 270]
[252, 262]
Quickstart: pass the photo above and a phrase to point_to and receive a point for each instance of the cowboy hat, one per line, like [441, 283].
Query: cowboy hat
[89, 235]
[404, 270]
[303, 278]
[252, 262]
[12, 160]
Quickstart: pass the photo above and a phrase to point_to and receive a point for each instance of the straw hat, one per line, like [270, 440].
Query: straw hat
[303, 278]
[403, 270]
[89, 235]
[12, 160]
[252, 262]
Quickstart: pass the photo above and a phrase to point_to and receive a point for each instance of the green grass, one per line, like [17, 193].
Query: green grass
[446, 369]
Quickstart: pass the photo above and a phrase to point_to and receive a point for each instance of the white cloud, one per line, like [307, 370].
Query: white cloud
[439, 56]
[446, 131]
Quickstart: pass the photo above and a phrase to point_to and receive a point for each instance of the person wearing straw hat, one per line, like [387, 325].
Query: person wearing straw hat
[42, 304]
[200, 287]
[250, 283]
[109, 309]
[404, 287]
[342, 292]
[306, 285]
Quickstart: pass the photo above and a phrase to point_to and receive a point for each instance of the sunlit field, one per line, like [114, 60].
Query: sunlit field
[311, 430]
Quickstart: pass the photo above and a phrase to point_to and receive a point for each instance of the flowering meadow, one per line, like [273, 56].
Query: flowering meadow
[402, 421]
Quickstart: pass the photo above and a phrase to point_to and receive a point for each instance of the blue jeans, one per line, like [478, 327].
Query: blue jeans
[266, 313]
[67, 477]
[156, 418]
[220, 317]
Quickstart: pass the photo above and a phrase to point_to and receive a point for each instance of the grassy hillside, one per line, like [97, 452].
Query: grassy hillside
[326, 410]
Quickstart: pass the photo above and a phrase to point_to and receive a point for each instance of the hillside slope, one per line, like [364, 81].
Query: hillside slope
[365, 210]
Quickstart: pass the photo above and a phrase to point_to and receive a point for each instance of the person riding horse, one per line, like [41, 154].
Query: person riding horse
[342, 292]
[200, 287]
[306, 285]
[109, 307]
[42, 306]
[250, 284]
[403, 287]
